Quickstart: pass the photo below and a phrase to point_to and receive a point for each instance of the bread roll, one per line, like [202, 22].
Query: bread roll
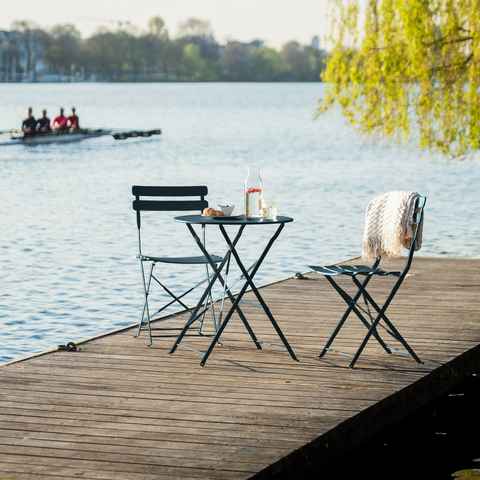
[211, 212]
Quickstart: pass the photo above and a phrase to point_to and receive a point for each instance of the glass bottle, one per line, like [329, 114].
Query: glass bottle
[253, 194]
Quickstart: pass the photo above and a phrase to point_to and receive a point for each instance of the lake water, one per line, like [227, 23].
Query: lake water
[68, 233]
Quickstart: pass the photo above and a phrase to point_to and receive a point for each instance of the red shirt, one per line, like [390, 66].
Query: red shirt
[60, 121]
[73, 121]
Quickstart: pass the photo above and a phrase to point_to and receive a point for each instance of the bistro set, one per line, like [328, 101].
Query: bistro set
[190, 199]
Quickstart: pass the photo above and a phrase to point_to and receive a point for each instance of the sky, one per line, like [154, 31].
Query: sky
[275, 21]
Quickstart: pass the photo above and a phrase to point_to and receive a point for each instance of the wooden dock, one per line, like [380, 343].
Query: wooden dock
[118, 410]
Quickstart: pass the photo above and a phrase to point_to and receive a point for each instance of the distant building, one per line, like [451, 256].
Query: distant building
[9, 57]
[21, 57]
[315, 43]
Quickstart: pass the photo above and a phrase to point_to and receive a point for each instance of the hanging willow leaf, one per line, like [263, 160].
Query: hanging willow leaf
[408, 68]
[467, 474]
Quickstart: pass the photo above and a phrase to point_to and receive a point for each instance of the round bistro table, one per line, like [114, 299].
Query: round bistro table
[248, 274]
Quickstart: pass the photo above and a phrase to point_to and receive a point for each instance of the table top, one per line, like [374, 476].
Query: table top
[237, 220]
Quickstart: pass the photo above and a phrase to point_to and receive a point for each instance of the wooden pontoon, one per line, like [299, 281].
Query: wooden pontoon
[117, 409]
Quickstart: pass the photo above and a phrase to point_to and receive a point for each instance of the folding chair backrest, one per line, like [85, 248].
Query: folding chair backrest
[417, 221]
[153, 204]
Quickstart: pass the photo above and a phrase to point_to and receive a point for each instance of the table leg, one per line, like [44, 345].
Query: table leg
[222, 281]
[217, 274]
[249, 281]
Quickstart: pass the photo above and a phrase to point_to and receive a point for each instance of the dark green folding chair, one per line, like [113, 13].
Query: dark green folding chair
[378, 318]
[154, 203]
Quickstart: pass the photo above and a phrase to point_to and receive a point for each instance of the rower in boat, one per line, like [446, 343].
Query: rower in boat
[43, 124]
[60, 122]
[29, 125]
[73, 122]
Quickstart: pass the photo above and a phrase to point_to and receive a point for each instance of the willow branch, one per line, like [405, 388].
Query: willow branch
[442, 41]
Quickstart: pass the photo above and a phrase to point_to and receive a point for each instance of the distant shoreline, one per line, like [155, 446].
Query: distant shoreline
[51, 82]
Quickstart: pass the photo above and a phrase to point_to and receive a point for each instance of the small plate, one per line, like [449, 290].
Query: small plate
[226, 219]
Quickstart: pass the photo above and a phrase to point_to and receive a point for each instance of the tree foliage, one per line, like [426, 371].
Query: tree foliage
[63, 50]
[128, 53]
[409, 68]
[195, 27]
[157, 28]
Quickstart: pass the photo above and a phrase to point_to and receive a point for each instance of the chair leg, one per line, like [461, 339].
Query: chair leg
[146, 309]
[146, 289]
[142, 317]
[335, 332]
[169, 292]
[175, 299]
[364, 342]
[351, 306]
[146, 317]
[370, 302]
[382, 316]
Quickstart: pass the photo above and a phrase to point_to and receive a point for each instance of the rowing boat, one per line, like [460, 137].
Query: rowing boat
[76, 136]
[57, 137]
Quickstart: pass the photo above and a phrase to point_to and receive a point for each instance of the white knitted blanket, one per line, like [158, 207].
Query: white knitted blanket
[389, 225]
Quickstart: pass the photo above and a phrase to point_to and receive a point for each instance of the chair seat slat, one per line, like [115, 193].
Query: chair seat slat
[194, 260]
[352, 270]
